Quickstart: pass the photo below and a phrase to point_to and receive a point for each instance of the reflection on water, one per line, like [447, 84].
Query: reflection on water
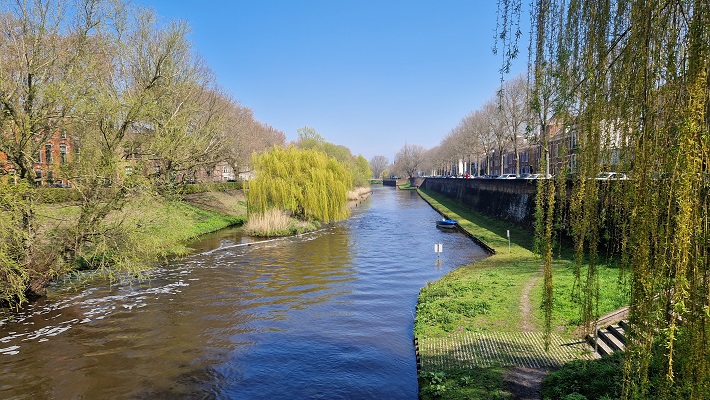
[323, 315]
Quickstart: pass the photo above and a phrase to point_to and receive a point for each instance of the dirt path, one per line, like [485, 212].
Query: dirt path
[523, 382]
[526, 324]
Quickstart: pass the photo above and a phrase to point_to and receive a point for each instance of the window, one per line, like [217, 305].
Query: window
[48, 153]
[38, 174]
[63, 154]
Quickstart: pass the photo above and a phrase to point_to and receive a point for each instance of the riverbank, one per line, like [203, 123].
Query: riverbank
[149, 228]
[157, 227]
[485, 319]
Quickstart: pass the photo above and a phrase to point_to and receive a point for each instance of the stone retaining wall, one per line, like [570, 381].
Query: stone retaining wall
[511, 200]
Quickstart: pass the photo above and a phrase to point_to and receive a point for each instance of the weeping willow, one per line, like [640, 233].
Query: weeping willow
[306, 182]
[631, 80]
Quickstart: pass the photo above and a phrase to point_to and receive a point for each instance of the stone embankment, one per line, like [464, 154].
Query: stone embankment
[510, 200]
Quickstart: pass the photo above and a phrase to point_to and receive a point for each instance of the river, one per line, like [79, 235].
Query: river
[325, 315]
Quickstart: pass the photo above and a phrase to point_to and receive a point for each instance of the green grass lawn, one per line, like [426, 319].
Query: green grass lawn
[487, 296]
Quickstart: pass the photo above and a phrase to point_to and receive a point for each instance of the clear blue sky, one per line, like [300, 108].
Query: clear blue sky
[371, 75]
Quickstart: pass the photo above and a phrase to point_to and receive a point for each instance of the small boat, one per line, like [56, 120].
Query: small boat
[447, 223]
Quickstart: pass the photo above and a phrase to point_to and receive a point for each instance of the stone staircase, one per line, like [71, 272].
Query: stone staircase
[610, 332]
[610, 339]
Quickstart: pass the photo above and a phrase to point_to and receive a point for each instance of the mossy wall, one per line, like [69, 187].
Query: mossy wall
[508, 200]
[513, 201]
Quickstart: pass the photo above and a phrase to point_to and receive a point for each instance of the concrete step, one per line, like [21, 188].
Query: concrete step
[618, 331]
[599, 345]
[624, 324]
[612, 341]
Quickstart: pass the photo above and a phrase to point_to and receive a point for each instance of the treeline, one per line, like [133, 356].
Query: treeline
[479, 142]
[139, 109]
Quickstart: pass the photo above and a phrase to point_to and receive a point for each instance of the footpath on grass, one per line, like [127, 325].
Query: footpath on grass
[487, 315]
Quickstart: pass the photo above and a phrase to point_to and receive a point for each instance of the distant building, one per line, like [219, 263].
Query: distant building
[220, 172]
[47, 160]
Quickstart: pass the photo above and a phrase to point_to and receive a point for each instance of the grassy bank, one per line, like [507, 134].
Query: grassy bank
[171, 224]
[491, 300]
[149, 229]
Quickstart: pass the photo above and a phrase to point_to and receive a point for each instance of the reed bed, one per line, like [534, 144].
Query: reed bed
[358, 193]
[276, 222]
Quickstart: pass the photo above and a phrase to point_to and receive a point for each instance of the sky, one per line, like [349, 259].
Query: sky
[372, 75]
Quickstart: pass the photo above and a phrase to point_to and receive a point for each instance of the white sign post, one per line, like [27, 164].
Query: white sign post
[438, 248]
[507, 232]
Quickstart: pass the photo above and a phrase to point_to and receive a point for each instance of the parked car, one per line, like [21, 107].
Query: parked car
[507, 176]
[524, 176]
[539, 176]
[605, 176]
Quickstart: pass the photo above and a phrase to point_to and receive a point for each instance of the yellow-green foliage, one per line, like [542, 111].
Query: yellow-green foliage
[309, 138]
[631, 79]
[361, 172]
[304, 181]
[13, 268]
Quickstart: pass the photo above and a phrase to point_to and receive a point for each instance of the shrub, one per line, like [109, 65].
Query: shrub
[474, 383]
[49, 195]
[586, 379]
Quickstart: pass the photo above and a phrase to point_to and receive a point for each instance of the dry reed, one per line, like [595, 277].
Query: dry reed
[275, 222]
[358, 193]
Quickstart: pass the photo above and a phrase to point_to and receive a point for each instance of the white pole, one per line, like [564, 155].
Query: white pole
[507, 231]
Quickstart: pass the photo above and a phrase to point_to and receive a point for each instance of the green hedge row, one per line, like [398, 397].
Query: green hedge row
[49, 195]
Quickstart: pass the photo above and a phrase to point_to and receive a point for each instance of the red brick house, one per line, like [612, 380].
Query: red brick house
[48, 160]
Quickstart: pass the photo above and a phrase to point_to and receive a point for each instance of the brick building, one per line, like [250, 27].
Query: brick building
[48, 159]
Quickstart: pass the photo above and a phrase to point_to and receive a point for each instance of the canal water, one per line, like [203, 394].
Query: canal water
[326, 315]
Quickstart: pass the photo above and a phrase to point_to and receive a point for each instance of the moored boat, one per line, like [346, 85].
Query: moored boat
[446, 223]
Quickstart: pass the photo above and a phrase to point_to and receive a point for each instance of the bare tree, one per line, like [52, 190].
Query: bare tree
[514, 113]
[476, 123]
[378, 165]
[409, 158]
[494, 126]
[432, 162]
[448, 152]
[247, 136]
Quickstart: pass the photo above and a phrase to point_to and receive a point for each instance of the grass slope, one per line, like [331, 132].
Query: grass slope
[489, 296]
[147, 230]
